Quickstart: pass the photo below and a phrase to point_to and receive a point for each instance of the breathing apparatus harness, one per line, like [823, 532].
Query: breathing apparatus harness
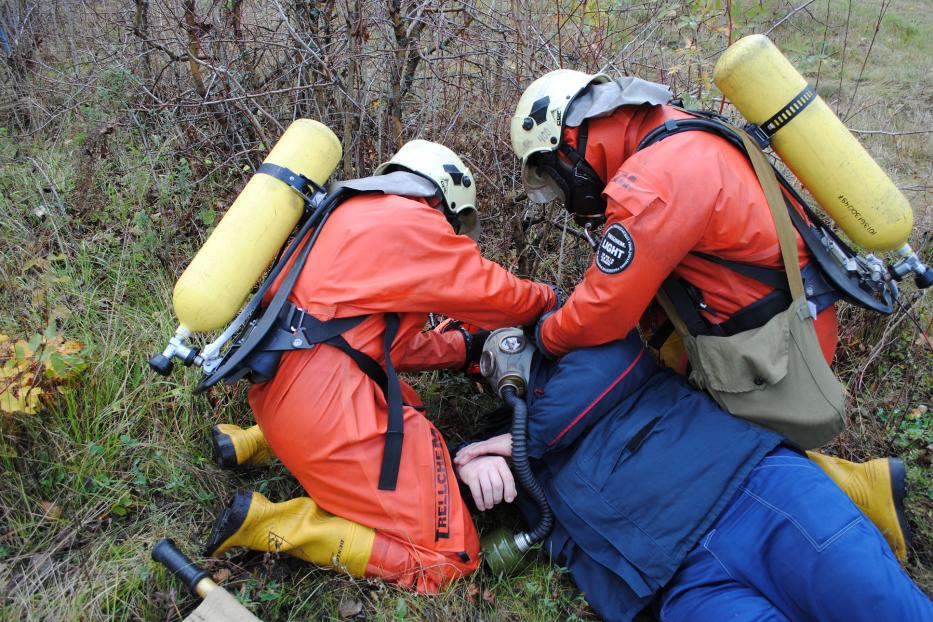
[259, 337]
[862, 281]
[839, 272]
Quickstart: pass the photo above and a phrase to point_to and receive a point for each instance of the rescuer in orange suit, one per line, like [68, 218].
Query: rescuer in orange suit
[685, 206]
[396, 253]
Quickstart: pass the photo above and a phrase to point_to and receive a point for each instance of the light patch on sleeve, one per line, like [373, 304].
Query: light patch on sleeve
[616, 250]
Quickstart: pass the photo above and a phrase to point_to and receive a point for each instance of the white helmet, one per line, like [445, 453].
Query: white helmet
[448, 172]
[539, 120]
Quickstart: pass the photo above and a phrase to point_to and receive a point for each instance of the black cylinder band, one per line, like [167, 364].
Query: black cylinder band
[788, 112]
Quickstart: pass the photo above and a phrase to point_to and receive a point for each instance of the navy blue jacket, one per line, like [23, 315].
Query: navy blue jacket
[636, 465]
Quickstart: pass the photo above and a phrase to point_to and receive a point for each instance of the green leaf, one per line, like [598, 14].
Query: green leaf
[207, 216]
[34, 342]
[57, 364]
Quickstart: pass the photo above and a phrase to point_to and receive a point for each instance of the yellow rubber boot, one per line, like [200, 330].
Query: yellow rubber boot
[235, 447]
[878, 488]
[297, 527]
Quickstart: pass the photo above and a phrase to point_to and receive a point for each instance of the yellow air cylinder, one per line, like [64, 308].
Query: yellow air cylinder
[220, 277]
[814, 143]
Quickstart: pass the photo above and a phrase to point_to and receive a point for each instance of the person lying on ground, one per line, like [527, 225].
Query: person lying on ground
[663, 501]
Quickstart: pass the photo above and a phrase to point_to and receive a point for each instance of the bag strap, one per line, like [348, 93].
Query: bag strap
[668, 305]
[782, 223]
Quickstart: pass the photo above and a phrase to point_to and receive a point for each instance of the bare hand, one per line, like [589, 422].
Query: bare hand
[496, 446]
[489, 479]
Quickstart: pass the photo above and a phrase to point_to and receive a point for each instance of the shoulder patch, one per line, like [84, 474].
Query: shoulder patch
[616, 250]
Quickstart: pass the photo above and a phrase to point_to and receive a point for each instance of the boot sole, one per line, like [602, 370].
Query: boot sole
[899, 491]
[223, 451]
[230, 519]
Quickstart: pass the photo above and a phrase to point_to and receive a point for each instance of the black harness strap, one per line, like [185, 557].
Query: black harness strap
[392, 452]
[769, 276]
[659, 337]
[299, 331]
[757, 314]
[297, 181]
[686, 306]
[309, 331]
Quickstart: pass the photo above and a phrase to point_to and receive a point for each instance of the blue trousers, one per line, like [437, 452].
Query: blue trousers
[791, 546]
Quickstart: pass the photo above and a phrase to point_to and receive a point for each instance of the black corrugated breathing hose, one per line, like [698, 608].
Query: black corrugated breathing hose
[522, 469]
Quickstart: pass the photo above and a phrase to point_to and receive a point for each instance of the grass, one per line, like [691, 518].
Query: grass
[101, 210]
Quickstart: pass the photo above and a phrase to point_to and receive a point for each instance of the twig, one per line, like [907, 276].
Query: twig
[889, 133]
[874, 35]
[789, 15]
[845, 45]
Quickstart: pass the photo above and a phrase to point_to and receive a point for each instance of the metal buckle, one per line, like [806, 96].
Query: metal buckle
[761, 137]
[301, 319]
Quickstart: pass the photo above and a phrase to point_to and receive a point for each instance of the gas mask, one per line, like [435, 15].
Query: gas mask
[576, 180]
[506, 365]
[506, 360]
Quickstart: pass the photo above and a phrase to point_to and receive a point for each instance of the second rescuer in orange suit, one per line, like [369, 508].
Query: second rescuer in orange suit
[690, 193]
[325, 419]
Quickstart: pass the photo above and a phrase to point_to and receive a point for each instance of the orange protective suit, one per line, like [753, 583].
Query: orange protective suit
[325, 419]
[689, 192]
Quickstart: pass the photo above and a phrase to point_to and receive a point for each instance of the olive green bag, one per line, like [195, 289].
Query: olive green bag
[774, 375]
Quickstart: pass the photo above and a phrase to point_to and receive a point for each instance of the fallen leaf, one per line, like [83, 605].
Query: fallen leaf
[61, 312]
[472, 592]
[489, 597]
[70, 347]
[349, 608]
[50, 510]
[221, 575]
[918, 412]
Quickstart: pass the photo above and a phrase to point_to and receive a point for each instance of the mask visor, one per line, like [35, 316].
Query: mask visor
[540, 186]
[470, 225]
